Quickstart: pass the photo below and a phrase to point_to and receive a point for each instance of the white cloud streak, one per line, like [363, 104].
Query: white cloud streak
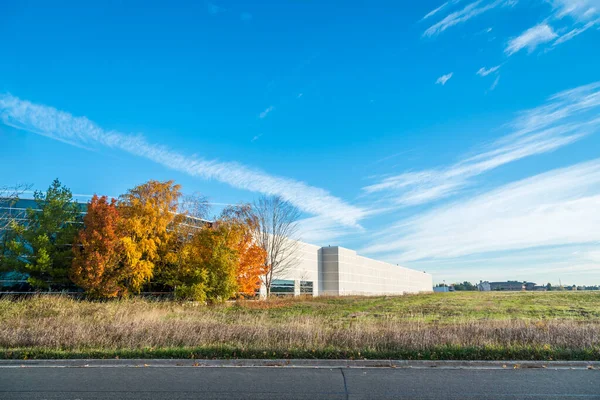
[495, 83]
[486, 71]
[531, 38]
[578, 9]
[443, 79]
[435, 11]
[469, 11]
[565, 118]
[576, 32]
[323, 231]
[559, 207]
[62, 126]
[264, 114]
[573, 263]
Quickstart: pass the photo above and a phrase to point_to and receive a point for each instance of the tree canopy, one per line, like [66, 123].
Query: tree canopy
[152, 236]
[99, 252]
[40, 246]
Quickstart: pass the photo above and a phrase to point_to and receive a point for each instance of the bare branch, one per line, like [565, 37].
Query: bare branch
[194, 205]
[193, 210]
[9, 195]
[276, 232]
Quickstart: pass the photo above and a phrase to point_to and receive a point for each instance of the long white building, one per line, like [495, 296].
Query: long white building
[336, 271]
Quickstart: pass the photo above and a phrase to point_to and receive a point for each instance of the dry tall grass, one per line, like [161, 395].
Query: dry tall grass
[65, 324]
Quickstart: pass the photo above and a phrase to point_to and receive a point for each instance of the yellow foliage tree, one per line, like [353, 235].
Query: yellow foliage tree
[147, 212]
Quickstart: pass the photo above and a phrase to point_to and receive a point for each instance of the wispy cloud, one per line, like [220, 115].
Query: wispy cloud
[576, 32]
[59, 125]
[579, 103]
[435, 11]
[495, 83]
[565, 20]
[565, 118]
[443, 79]
[486, 71]
[469, 11]
[531, 38]
[324, 231]
[573, 263]
[391, 156]
[256, 137]
[559, 207]
[579, 9]
[264, 114]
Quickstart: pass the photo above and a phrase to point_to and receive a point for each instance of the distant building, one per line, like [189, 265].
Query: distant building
[443, 289]
[502, 286]
[513, 286]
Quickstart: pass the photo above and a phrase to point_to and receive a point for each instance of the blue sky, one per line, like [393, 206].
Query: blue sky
[460, 138]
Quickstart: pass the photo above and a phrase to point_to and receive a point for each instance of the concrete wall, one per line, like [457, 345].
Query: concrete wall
[339, 271]
[306, 267]
[358, 275]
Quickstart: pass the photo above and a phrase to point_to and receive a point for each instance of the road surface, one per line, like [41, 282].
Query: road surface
[187, 382]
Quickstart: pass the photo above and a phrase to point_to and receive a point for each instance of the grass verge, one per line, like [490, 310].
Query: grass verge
[454, 326]
[438, 353]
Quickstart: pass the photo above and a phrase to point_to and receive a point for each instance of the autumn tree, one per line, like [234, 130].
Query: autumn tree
[147, 211]
[98, 251]
[276, 233]
[241, 223]
[207, 268]
[214, 261]
[40, 246]
[171, 271]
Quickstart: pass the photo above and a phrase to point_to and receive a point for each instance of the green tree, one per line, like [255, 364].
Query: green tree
[41, 245]
[208, 266]
[465, 286]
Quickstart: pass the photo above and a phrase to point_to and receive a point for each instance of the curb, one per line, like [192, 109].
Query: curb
[300, 363]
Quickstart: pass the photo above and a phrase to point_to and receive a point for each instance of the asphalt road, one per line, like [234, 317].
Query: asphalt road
[173, 383]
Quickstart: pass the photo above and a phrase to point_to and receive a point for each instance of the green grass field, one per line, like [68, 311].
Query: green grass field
[460, 325]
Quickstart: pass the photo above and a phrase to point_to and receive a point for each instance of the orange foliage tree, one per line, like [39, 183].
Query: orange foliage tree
[147, 211]
[251, 258]
[98, 251]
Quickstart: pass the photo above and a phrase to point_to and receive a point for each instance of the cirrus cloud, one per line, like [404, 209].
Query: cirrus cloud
[531, 38]
[80, 131]
[443, 79]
